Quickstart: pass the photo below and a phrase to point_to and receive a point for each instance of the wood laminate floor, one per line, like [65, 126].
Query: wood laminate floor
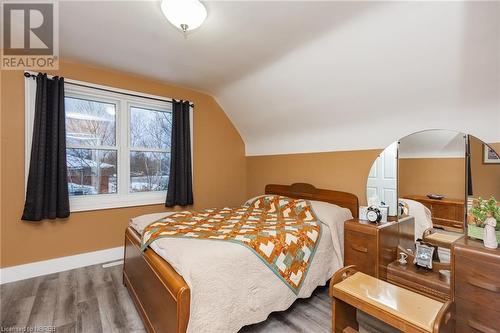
[93, 299]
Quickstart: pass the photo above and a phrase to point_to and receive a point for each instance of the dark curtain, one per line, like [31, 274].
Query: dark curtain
[180, 184]
[47, 190]
[470, 190]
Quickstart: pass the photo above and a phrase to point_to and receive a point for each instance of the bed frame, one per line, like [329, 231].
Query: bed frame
[161, 296]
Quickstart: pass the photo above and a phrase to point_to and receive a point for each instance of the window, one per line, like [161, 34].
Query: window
[149, 149]
[91, 146]
[118, 146]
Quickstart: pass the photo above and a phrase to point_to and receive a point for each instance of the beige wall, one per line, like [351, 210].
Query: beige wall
[422, 176]
[222, 174]
[343, 171]
[447, 175]
[219, 171]
[485, 177]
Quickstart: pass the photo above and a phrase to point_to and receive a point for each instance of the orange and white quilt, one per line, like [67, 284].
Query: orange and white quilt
[282, 232]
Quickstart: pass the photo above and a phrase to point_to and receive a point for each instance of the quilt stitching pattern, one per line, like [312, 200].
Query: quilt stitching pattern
[282, 232]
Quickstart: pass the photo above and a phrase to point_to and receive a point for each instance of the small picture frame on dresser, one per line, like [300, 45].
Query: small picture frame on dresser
[423, 255]
[489, 155]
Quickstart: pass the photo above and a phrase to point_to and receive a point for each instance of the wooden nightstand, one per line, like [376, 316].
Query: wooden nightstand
[369, 246]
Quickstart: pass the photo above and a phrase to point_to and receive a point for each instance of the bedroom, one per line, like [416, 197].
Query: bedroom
[270, 93]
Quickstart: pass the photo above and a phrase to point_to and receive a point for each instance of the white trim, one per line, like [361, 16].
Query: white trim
[107, 201]
[150, 150]
[39, 268]
[118, 90]
[29, 114]
[191, 130]
[113, 263]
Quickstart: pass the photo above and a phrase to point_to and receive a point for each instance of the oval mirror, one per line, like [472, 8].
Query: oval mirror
[436, 176]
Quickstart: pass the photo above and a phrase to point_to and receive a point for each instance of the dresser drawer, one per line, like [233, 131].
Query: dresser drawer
[448, 212]
[448, 223]
[473, 318]
[360, 250]
[477, 281]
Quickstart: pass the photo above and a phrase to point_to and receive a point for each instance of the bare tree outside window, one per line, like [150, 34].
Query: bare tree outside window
[150, 135]
[91, 124]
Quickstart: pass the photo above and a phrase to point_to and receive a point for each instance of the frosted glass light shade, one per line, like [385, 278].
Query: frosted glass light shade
[184, 14]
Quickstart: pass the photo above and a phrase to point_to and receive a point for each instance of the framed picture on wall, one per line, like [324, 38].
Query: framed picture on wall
[490, 156]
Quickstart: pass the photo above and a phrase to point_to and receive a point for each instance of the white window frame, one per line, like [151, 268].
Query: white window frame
[123, 101]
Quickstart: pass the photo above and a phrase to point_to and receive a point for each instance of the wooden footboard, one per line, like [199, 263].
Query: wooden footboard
[160, 294]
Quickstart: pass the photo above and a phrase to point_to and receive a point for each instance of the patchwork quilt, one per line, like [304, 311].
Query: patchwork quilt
[282, 232]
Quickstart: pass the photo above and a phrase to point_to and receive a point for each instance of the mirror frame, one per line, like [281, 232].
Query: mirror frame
[467, 156]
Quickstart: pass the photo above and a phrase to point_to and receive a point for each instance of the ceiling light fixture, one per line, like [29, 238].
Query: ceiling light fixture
[184, 14]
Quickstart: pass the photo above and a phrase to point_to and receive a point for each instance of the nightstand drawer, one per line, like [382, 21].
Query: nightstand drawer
[446, 212]
[361, 250]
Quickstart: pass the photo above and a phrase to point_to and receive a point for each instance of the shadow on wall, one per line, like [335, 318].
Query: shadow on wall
[422, 176]
[480, 52]
[485, 177]
[328, 15]
[365, 74]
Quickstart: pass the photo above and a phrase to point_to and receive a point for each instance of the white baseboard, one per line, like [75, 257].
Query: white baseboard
[26, 271]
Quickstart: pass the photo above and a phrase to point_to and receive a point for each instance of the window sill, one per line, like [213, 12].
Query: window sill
[110, 201]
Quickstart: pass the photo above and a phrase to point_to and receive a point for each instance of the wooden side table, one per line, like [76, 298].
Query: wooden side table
[369, 246]
[400, 308]
[440, 239]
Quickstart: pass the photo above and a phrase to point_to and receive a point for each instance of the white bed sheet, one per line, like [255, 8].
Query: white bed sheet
[229, 292]
[422, 215]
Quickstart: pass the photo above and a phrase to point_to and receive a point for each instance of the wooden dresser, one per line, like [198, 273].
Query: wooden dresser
[430, 283]
[448, 214]
[476, 285]
[369, 246]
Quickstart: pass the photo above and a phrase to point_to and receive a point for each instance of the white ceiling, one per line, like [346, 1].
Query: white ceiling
[312, 76]
[237, 38]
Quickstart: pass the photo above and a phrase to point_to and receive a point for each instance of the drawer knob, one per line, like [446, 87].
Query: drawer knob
[483, 284]
[359, 248]
[480, 327]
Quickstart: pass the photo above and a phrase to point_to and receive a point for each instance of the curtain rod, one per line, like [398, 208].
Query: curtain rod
[29, 75]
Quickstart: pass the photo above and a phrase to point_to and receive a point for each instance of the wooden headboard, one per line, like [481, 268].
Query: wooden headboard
[309, 192]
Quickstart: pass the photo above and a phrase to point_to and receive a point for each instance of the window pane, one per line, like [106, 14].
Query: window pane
[150, 128]
[91, 171]
[149, 171]
[90, 123]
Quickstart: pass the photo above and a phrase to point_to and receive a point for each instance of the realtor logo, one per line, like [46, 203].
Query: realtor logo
[30, 35]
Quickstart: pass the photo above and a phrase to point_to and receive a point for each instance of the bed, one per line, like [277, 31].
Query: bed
[164, 298]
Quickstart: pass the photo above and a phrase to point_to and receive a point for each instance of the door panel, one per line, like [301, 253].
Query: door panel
[382, 186]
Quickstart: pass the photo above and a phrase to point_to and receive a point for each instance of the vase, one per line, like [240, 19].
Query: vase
[490, 239]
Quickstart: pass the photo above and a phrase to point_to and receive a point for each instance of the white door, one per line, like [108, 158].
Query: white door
[382, 180]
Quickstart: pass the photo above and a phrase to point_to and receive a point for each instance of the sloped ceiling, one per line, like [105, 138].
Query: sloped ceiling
[433, 144]
[312, 76]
